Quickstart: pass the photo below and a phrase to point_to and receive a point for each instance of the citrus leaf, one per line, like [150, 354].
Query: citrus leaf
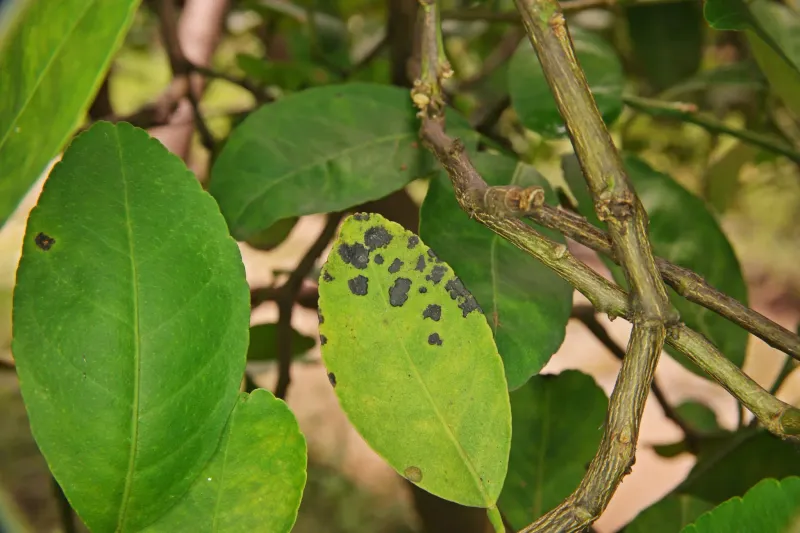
[526, 304]
[667, 40]
[557, 426]
[413, 362]
[263, 342]
[320, 150]
[669, 514]
[131, 312]
[255, 479]
[531, 96]
[698, 416]
[771, 505]
[54, 59]
[274, 235]
[683, 231]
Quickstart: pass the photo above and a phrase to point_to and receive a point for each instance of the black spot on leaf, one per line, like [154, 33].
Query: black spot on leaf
[394, 268]
[423, 290]
[466, 301]
[358, 285]
[469, 305]
[323, 340]
[378, 259]
[420, 264]
[436, 274]
[361, 216]
[332, 378]
[413, 241]
[319, 315]
[398, 293]
[377, 237]
[43, 241]
[434, 339]
[456, 288]
[354, 254]
[433, 311]
[433, 256]
[413, 474]
[326, 276]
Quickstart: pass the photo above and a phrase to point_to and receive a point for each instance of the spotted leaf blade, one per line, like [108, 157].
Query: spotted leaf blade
[413, 362]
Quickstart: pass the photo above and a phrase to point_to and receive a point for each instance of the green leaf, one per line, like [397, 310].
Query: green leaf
[698, 416]
[321, 150]
[131, 312]
[526, 304]
[729, 467]
[668, 515]
[263, 342]
[771, 30]
[274, 235]
[255, 479]
[530, 94]
[413, 362]
[771, 505]
[54, 59]
[667, 40]
[721, 182]
[557, 427]
[741, 75]
[683, 231]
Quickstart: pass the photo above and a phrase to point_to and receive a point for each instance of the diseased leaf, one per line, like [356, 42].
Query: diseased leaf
[771, 505]
[131, 312]
[667, 40]
[531, 96]
[255, 479]
[54, 59]
[668, 515]
[683, 231]
[263, 343]
[320, 150]
[525, 303]
[557, 426]
[413, 362]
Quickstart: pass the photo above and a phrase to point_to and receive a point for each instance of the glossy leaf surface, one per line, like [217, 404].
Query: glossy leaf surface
[525, 303]
[131, 312]
[54, 59]
[413, 362]
[254, 481]
[319, 150]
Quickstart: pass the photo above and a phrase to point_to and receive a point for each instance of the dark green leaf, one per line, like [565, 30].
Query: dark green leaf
[769, 506]
[668, 515]
[742, 75]
[557, 426]
[530, 94]
[255, 479]
[263, 343]
[683, 231]
[667, 40]
[53, 61]
[413, 362]
[526, 304]
[130, 326]
[730, 467]
[698, 416]
[274, 235]
[320, 150]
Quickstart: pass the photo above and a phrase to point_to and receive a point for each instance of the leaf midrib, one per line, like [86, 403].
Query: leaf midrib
[44, 73]
[136, 352]
[461, 452]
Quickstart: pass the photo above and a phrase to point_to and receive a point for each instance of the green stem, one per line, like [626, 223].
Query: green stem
[495, 519]
[689, 113]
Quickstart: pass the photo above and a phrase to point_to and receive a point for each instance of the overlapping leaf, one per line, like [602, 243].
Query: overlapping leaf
[131, 312]
[54, 57]
[526, 304]
[413, 362]
[254, 481]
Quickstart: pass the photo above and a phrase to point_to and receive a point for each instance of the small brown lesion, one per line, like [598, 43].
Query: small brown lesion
[44, 241]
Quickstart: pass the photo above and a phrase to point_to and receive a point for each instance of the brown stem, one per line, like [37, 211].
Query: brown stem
[685, 282]
[287, 296]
